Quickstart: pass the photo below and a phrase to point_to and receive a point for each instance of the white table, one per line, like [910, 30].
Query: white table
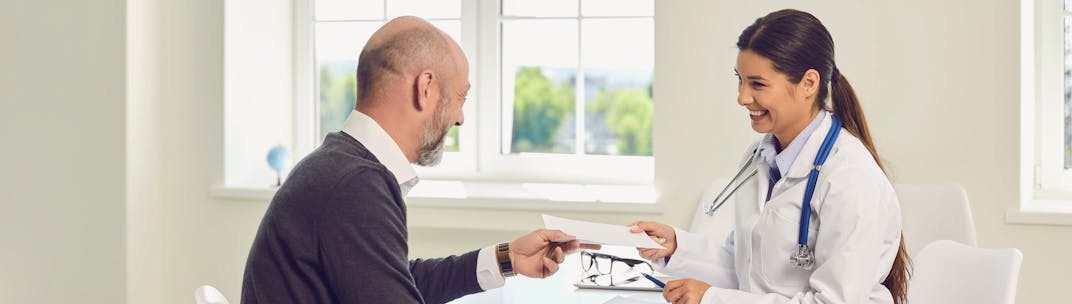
[556, 289]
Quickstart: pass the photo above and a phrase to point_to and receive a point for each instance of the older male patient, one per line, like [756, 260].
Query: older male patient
[335, 232]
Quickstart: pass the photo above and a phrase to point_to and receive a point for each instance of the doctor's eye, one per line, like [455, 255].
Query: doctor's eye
[758, 85]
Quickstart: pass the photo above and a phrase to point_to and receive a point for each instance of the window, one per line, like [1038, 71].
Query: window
[1053, 99]
[1046, 115]
[585, 89]
[562, 89]
[1067, 13]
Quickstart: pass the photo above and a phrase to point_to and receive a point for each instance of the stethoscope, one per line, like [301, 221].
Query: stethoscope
[804, 257]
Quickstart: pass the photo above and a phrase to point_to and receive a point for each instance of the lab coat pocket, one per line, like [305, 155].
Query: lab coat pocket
[779, 241]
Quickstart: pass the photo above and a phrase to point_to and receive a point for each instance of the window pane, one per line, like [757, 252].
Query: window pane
[543, 8]
[451, 27]
[343, 40]
[618, 7]
[441, 9]
[1068, 89]
[618, 56]
[338, 91]
[349, 9]
[539, 64]
[337, 46]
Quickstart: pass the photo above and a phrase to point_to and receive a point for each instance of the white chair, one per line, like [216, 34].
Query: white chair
[209, 295]
[950, 272]
[934, 212]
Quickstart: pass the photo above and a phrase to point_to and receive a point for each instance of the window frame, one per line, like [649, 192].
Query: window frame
[306, 118]
[481, 137]
[1044, 89]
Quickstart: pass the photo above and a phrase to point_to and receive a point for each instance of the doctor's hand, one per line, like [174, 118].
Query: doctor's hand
[661, 233]
[537, 254]
[685, 291]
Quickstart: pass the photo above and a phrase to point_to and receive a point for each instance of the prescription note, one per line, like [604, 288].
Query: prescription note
[599, 233]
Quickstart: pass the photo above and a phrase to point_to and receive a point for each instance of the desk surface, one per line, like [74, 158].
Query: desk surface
[558, 288]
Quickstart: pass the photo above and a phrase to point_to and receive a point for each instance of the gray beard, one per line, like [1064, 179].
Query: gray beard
[431, 152]
[433, 138]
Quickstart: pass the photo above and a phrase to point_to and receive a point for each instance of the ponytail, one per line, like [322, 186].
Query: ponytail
[847, 109]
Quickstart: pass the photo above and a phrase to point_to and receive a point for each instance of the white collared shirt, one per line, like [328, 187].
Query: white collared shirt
[784, 159]
[370, 134]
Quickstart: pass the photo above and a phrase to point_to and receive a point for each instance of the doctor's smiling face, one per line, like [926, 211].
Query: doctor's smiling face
[775, 104]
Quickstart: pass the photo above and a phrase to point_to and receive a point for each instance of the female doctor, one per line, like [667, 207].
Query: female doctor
[837, 240]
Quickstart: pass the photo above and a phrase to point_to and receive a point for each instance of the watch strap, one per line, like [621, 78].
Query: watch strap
[502, 255]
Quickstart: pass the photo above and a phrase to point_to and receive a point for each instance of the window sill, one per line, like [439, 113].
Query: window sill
[501, 196]
[1041, 212]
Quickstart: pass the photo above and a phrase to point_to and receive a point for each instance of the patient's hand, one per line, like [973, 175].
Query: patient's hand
[537, 255]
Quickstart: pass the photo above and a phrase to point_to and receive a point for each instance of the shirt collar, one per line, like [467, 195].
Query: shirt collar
[784, 159]
[370, 134]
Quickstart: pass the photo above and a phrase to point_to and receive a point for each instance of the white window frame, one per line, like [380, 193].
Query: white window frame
[1051, 179]
[1045, 186]
[306, 118]
[481, 32]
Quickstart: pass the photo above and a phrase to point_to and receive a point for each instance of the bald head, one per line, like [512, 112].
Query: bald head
[400, 50]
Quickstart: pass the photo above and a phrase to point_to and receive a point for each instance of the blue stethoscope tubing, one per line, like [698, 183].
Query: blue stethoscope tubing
[809, 191]
[813, 178]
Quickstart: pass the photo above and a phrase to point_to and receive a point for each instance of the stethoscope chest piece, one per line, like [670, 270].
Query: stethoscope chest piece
[803, 258]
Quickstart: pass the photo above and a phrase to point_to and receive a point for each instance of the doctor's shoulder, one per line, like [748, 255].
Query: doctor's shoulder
[851, 165]
[849, 153]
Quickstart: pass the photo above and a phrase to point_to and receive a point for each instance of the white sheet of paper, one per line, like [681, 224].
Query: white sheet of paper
[599, 233]
[636, 300]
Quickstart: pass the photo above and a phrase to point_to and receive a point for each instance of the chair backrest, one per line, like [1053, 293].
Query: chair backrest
[209, 295]
[934, 212]
[950, 272]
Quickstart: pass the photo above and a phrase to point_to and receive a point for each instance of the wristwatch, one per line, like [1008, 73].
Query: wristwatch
[502, 255]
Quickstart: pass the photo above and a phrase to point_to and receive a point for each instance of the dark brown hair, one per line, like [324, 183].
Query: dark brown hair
[796, 42]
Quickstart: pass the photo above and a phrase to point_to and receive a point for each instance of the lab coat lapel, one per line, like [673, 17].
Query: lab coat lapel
[748, 207]
[762, 184]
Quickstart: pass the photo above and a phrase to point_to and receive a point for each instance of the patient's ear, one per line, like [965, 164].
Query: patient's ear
[422, 95]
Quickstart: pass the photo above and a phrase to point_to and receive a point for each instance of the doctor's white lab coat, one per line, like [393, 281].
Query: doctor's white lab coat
[855, 230]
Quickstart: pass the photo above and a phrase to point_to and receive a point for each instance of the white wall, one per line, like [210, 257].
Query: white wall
[941, 92]
[205, 240]
[62, 161]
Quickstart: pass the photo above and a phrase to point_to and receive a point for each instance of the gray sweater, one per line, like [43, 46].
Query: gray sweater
[335, 232]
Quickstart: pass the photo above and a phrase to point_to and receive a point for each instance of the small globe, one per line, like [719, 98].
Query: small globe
[278, 158]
